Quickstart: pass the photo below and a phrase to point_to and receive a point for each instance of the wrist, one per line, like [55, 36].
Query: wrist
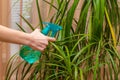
[28, 39]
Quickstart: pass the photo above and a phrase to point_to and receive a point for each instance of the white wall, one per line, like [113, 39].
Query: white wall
[15, 11]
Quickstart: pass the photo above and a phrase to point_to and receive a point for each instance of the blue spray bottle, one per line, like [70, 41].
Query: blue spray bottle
[30, 55]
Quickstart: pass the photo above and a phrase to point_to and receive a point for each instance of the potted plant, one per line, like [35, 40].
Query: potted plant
[86, 48]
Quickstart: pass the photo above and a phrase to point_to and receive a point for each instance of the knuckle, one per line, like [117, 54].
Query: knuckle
[45, 47]
[46, 42]
[42, 49]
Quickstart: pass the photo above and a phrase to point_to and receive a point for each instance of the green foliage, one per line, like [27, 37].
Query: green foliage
[86, 47]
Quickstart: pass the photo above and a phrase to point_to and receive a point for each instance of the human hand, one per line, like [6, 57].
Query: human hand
[39, 41]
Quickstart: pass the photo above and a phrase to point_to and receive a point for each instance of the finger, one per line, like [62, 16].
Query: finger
[37, 30]
[43, 42]
[39, 48]
[42, 46]
[51, 39]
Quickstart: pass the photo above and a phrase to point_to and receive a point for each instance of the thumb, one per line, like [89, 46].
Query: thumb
[36, 31]
[50, 39]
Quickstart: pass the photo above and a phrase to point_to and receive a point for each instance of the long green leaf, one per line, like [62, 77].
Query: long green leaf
[28, 23]
[111, 28]
[20, 27]
[81, 51]
[39, 15]
[70, 16]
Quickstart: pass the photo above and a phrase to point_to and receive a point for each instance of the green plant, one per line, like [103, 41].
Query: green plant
[86, 47]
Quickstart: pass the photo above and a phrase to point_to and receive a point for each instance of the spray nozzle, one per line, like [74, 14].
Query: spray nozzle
[51, 27]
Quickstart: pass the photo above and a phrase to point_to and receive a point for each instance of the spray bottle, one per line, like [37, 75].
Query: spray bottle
[30, 55]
